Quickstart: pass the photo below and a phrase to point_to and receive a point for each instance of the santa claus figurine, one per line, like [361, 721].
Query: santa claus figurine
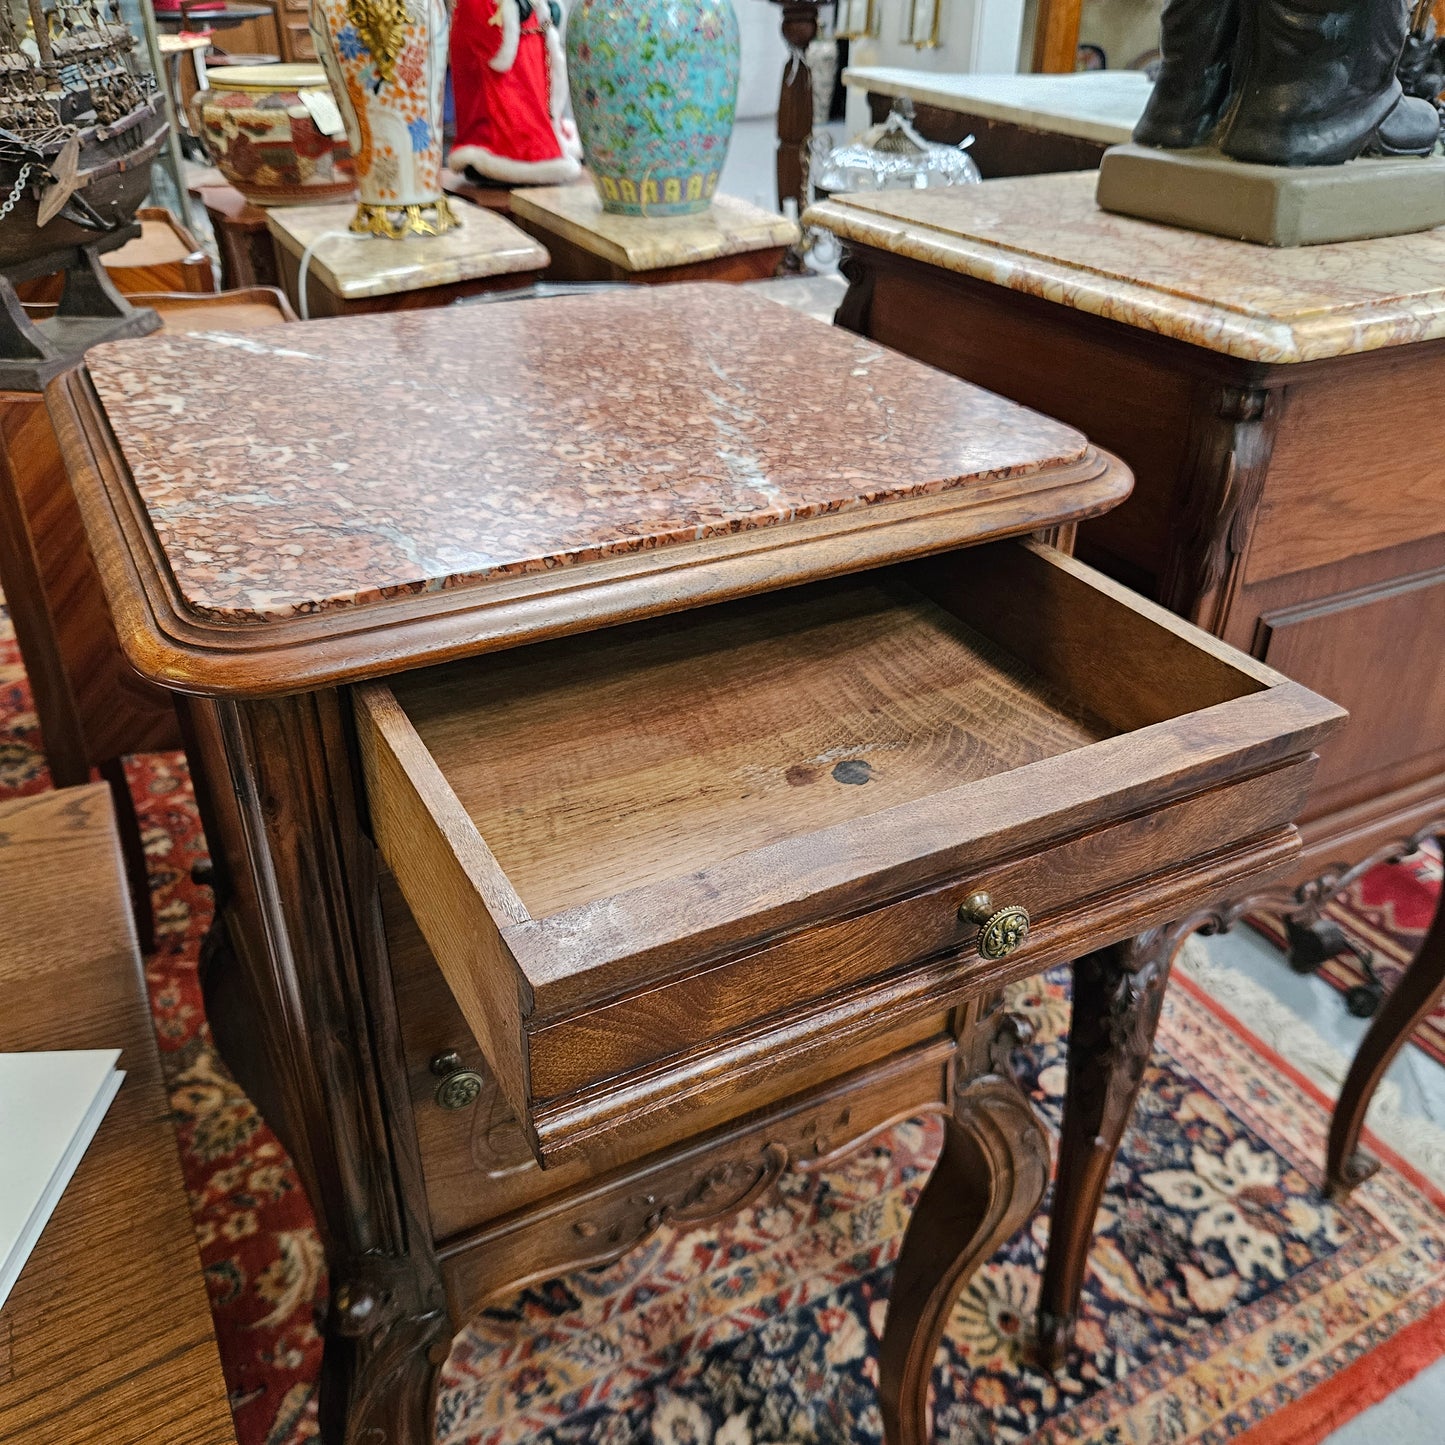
[509, 88]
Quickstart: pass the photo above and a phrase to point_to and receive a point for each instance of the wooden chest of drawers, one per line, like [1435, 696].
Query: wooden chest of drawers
[645, 793]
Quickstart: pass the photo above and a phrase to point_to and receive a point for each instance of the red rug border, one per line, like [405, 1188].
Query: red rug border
[1381, 1371]
[1356, 1388]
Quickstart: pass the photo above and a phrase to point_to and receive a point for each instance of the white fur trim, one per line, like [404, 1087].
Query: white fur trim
[556, 71]
[511, 15]
[568, 138]
[500, 168]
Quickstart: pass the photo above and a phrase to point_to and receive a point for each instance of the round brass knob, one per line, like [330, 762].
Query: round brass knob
[459, 1086]
[999, 932]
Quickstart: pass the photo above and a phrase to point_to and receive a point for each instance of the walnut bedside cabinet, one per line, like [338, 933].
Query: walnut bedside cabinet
[624, 786]
[1275, 406]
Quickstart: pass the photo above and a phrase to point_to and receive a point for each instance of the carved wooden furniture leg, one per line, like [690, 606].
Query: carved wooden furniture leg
[1118, 992]
[1407, 1005]
[987, 1182]
[305, 906]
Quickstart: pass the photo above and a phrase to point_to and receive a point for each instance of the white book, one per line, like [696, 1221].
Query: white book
[51, 1104]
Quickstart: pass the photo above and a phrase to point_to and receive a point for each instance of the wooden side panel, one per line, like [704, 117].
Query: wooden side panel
[92, 704]
[452, 883]
[1375, 651]
[1000, 147]
[1129, 662]
[1358, 464]
[1116, 392]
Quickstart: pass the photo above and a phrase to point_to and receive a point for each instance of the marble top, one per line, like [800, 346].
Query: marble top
[327, 464]
[351, 265]
[1100, 105]
[1044, 235]
[728, 227]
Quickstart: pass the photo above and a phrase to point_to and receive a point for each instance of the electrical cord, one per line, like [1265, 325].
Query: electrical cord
[301, 297]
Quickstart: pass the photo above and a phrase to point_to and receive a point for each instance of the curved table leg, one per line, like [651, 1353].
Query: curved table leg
[1118, 993]
[987, 1182]
[1408, 1004]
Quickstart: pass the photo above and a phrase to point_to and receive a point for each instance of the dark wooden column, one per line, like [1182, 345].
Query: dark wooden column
[795, 103]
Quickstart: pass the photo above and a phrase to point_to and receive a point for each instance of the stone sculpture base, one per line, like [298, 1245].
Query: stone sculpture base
[1202, 190]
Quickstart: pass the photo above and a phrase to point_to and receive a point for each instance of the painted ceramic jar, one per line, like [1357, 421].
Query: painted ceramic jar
[654, 91]
[387, 62]
[265, 139]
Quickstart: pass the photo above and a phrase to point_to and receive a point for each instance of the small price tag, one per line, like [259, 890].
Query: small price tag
[324, 111]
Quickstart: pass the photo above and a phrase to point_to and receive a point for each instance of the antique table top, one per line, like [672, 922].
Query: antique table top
[1101, 105]
[1044, 235]
[518, 465]
[728, 227]
[351, 266]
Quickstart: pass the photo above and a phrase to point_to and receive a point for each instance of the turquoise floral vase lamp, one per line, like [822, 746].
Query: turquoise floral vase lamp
[654, 91]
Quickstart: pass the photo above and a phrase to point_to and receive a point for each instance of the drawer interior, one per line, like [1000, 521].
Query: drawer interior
[598, 764]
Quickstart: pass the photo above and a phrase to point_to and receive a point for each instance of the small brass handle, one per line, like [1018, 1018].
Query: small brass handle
[999, 932]
[459, 1086]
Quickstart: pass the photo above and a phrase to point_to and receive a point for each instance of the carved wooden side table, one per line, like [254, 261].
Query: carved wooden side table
[1289, 475]
[623, 789]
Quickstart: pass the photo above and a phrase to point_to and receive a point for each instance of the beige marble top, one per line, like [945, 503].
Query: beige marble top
[1101, 105]
[728, 227]
[350, 265]
[1045, 236]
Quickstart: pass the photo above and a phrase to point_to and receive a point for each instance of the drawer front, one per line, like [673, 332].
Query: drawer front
[477, 1161]
[574, 1053]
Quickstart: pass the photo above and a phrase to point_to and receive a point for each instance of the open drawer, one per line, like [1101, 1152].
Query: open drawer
[655, 860]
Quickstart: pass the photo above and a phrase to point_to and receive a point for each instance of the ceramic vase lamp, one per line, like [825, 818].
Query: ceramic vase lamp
[387, 62]
[654, 89]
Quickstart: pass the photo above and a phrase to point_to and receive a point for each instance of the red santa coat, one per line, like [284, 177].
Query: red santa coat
[509, 88]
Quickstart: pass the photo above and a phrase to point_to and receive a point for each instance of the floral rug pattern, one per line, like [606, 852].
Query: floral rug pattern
[1223, 1293]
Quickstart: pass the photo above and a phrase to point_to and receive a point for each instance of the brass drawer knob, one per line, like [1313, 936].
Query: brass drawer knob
[459, 1086]
[999, 933]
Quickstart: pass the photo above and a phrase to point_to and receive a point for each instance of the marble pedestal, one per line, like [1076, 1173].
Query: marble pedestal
[351, 273]
[730, 241]
[1274, 205]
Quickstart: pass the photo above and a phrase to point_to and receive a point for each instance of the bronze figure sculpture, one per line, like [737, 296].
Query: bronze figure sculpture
[1287, 82]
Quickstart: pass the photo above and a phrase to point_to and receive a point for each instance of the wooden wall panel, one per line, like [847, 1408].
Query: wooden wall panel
[1358, 465]
[1360, 649]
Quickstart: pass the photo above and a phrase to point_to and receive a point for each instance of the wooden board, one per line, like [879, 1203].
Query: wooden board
[107, 1335]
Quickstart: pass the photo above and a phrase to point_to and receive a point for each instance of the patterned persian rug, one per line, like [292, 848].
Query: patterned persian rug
[1225, 1299]
[1388, 911]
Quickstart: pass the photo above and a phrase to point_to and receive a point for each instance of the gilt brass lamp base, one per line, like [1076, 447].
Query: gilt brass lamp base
[394, 222]
[1202, 190]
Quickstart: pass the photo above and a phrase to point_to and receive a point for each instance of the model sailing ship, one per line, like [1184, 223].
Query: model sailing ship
[80, 122]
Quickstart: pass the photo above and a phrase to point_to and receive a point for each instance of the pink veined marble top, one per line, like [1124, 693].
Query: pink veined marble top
[328, 464]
